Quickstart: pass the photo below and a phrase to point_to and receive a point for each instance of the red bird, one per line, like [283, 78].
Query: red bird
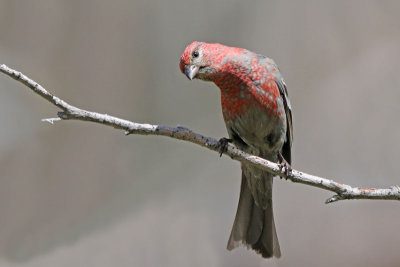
[258, 117]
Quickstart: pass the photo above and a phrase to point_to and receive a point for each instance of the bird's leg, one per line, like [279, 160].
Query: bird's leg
[283, 164]
[223, 145]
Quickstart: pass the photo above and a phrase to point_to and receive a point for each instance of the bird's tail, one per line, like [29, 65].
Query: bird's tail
[254, 226]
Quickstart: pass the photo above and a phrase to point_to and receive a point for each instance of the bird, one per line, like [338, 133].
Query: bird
[258, 118]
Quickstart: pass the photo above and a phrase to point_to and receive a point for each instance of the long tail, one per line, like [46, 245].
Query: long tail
[254, 226]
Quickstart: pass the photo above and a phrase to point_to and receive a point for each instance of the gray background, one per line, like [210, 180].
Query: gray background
[81, 194]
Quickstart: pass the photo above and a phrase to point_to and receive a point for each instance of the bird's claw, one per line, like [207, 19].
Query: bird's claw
[223, 145]
[284, 165]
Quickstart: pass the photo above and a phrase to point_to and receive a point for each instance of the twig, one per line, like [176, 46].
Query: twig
[70, 112]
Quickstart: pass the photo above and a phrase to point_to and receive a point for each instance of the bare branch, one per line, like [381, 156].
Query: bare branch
[69, 112]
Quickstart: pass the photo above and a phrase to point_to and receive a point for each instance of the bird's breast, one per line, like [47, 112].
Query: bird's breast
[238, 99]
[259, 130]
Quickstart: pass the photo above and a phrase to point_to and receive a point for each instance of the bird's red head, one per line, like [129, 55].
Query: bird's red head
[186, 57]
[202, 60]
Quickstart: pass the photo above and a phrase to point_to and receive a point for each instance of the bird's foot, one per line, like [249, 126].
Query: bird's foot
[223, 145]
[284, 165]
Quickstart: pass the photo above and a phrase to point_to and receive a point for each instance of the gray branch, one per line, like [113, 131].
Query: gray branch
[69, 112]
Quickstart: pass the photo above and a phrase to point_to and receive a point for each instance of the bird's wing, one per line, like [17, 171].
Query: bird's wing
[287, 146]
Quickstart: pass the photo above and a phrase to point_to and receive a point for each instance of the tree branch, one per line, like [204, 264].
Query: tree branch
[70, 112]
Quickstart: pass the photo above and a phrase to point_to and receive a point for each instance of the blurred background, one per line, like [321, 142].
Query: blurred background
[81, 194]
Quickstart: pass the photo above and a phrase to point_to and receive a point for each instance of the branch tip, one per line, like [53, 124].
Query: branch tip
[334, 199]
[51, 120]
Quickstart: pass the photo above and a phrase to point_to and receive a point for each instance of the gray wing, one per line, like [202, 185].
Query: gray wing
[273, 68]
[287, 146]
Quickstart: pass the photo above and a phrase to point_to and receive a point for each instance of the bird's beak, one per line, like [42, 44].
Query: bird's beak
[191, 71]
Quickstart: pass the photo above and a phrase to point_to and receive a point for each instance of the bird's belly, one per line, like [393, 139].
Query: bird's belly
[263, 133]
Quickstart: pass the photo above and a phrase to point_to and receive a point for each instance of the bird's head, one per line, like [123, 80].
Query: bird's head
[202, 60]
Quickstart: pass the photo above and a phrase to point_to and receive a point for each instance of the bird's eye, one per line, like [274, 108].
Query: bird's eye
[195, 54]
